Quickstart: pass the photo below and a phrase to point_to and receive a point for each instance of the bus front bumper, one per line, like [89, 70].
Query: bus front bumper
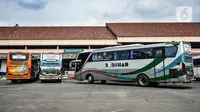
[187, 79]
[50, 77]
[17, 77]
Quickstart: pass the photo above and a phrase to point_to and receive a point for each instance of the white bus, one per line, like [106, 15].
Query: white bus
[50, 65]
[147, 64]
[196, 61]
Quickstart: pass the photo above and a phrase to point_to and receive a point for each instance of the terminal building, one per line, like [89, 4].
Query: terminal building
[70, 40]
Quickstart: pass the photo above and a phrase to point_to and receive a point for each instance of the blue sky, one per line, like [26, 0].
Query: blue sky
[91, 12]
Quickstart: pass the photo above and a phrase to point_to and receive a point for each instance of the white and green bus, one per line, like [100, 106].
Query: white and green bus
[50, 65]
[147, 64]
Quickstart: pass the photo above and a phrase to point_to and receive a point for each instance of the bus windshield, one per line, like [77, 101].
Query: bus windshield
[51, 64]
[51, 57]
[19, 57]
[83, 57]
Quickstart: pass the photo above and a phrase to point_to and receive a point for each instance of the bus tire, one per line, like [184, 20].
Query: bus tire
[90, 79]
[154, 84]
[42, 81]
[60, 81]
[103, 81]
[143, 80]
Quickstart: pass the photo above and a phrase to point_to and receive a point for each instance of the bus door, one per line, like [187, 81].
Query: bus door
[78, 69]
[159, 68]
[82, 57]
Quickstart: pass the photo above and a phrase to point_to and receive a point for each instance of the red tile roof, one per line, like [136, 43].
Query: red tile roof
[100, 32]
[154, 29]
[70, 33]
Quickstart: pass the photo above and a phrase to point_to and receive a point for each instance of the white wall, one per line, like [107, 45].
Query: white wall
[3, 66]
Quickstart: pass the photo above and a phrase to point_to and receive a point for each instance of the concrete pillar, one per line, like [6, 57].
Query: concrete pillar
[58, 49]
[89, 47]
[25, 48]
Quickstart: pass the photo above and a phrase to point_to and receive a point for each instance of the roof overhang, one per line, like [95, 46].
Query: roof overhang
[158, 39]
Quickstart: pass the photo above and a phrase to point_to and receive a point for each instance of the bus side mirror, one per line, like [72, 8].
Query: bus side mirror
[73, 63]
[70, 65]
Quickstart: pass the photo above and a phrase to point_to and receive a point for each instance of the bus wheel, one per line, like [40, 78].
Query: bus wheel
[42, 81]
[13, 81]
[60, 81]
[103, 81]
[143, 80]
[154, 84]
[90, 79]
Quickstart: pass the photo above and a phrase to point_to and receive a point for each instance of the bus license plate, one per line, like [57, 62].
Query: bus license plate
[50, 77]
[17, 76]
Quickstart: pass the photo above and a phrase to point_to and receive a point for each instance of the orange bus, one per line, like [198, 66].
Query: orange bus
[21, 66]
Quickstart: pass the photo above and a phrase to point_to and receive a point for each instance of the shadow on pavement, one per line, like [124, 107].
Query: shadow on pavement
[23, 82]
[161, 86]
[50, 81]
[173, 86]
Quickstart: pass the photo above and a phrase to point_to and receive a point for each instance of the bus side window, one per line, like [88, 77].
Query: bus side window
[146, 53]
[158, 52]
[132, 55]
[110, 56]
[93, 57]
[137, 55]
[107, 56]
[100, 57]
[115, 55]
[171, 51]
[125, 55]
[122, 55]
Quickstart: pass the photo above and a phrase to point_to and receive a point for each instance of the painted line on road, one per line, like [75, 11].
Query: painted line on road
[87, 97]
[140, 97]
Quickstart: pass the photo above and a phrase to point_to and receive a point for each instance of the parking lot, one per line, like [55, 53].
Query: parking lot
[74, 96]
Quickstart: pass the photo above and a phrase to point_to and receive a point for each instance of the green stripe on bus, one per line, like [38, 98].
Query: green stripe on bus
[147, 67]
[174, 43]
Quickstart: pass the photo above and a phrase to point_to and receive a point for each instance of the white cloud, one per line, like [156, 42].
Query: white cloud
[89, 12]
[32, 1]
[29, 1]
[3, 23]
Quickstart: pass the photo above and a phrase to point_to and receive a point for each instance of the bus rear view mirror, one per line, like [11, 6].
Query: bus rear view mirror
[73, 63]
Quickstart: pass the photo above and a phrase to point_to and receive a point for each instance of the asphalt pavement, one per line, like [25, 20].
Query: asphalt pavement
[75, 96]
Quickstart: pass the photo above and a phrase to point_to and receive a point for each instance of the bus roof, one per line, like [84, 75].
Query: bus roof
[132, 46]
[50, 53]
[85, 52]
